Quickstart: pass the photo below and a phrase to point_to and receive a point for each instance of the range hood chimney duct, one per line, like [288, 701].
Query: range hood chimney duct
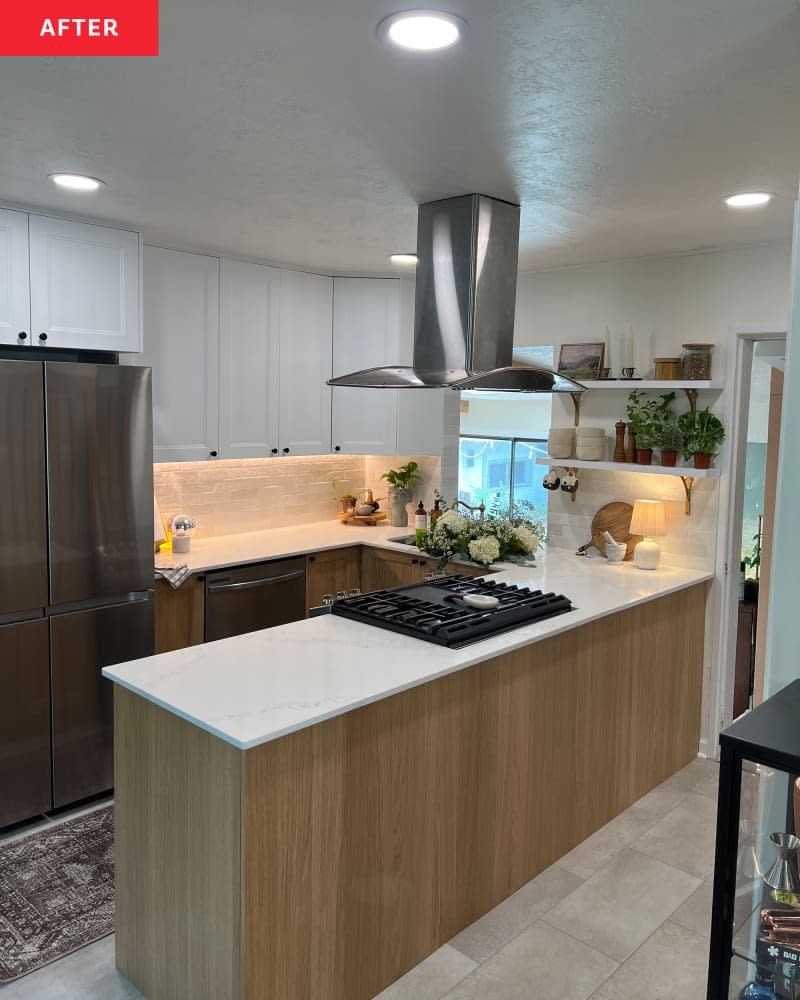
[464, 310]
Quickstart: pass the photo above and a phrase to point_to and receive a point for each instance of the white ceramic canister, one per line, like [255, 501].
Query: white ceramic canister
[560, 442]
[590, 444]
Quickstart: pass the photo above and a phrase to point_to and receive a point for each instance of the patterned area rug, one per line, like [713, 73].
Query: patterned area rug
[56, 892]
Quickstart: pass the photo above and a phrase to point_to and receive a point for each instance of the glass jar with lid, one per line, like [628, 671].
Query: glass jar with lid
[696, 361]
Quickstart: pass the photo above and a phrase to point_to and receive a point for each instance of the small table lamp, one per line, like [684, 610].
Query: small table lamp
[648, 519]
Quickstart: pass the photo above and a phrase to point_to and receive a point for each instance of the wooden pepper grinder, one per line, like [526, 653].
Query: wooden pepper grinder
[630, 447]
[619, 447]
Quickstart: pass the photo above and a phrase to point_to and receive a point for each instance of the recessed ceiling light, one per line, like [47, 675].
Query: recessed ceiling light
[77, 182]
[423, 30]
[403, 258]
[748, 199]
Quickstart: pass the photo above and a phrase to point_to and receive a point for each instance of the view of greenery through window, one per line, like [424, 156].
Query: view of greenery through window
[495, 470]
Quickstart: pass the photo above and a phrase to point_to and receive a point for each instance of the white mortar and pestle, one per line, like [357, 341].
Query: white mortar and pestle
[615, 551]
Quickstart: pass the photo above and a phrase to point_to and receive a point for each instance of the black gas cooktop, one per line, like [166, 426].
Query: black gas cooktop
[435, 611]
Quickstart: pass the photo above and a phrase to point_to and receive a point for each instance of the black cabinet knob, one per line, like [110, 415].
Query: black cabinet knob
[274, 451]
[312, 558]
[337, 448]
[213, 454]
[22, 335]
[42, 336]
[286, 451]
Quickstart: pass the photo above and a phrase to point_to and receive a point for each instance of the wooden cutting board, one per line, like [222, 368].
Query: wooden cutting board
[615, 518]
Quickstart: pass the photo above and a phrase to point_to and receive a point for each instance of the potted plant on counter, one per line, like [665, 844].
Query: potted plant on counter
[702, 431]
[401, 483]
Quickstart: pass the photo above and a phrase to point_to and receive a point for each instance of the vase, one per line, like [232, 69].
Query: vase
[398, 498]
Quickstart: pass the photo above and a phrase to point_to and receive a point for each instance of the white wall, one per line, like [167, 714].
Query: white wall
[782, 662]
[708, 297]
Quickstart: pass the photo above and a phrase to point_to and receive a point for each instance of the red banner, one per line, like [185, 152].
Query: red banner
[79, 28]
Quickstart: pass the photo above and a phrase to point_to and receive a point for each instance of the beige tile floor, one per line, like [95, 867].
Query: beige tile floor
[624, 916]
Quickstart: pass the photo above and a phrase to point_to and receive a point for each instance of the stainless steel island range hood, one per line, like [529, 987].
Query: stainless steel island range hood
[464, 312]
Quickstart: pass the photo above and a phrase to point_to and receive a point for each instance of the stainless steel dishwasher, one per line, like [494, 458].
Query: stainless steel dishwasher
[254, 597]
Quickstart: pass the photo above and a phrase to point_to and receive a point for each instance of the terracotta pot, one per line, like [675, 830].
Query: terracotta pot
[644, 456]
[669, 458]
[702, 460]
[347, 502]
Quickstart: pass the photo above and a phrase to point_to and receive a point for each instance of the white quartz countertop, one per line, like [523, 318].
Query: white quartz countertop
[257, 687]
[277, 543]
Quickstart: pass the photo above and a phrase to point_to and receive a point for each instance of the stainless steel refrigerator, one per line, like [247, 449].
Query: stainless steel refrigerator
[76, 571]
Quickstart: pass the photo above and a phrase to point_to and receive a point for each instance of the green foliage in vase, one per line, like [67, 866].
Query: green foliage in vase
[405, 477]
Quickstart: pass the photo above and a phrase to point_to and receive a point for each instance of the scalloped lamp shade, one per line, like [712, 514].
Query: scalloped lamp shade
[649, 519]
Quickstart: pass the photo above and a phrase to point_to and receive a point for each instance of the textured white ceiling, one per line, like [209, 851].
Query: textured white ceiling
[284, 131]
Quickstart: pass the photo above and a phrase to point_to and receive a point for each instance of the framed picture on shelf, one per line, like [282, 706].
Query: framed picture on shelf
[581, 360]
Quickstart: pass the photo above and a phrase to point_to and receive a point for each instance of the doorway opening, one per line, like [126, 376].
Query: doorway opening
[757, 426]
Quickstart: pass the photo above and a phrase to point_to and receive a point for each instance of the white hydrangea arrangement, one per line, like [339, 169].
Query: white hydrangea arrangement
[512, 538]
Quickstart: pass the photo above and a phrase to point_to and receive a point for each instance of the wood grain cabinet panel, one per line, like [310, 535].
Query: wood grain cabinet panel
[180, 614]
[331, 571]
[371, 839]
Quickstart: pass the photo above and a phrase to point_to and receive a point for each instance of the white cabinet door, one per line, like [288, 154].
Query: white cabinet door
[181, 344]
[421, 413]
[248, 359]
[15, 307]
[366, 329]
[305, 363]
[84, 286]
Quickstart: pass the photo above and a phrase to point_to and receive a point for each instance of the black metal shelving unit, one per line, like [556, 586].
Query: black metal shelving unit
[769, 736]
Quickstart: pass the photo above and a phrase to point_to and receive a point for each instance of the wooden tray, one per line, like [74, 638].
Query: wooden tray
[615, 518]
[367, 519]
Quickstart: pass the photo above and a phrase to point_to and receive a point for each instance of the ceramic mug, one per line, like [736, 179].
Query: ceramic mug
[628, 372]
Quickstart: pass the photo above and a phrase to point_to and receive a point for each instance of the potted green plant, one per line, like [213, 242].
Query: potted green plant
[642, 419]
[401, 482]
[702, 431]
[669, 440]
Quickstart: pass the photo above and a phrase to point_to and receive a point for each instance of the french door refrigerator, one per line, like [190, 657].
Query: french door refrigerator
[76, 571]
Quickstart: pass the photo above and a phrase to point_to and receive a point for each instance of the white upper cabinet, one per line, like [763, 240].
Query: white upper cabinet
[305, 364]
[250, 296]
[373, 325]
[181, 344]
[15, 307]
[84, 286]
[366, 334]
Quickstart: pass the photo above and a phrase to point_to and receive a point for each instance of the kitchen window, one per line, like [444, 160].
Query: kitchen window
[497, 470]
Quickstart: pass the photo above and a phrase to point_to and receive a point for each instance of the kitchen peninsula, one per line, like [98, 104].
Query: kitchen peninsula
[310, 810]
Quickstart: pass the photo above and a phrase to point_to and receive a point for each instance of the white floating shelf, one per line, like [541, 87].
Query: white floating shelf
[651, 470]
[649, 383]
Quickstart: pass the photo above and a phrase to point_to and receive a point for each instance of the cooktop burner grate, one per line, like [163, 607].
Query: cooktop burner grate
[435, 611]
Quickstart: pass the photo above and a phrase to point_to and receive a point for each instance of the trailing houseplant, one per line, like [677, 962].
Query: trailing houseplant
[703, 431]
[401, 482]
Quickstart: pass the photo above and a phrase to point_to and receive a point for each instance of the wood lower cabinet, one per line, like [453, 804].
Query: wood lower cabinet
[180, 614]
[381, 568]
[331, 571]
